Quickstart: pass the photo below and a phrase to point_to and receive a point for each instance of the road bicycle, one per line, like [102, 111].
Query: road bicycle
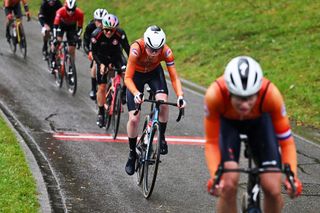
[65, 68]
[250, 201]
[113, 106]
[148, 146]
[18, 37]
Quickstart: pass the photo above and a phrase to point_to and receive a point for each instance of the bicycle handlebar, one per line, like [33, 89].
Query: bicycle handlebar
[160, 102]
[286, 170]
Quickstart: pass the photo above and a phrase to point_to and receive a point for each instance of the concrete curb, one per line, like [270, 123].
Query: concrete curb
[43, 196]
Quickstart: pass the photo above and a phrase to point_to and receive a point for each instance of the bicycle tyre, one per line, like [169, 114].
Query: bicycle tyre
[49, 57]
[23, 42]
[116, 115]
[59, 72]
[152, 162]
[71, 75]
[13, 40]
[140, 150]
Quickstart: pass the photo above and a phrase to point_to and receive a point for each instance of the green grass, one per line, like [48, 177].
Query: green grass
[17, 186]
[204, 35]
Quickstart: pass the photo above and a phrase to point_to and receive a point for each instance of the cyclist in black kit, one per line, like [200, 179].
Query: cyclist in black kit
[107, 46]
[47, 13]
[93, 24]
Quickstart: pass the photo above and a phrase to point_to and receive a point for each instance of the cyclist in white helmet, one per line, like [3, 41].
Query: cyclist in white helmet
[95, 23]
[242, 101]
[143, 68]
[69, 20]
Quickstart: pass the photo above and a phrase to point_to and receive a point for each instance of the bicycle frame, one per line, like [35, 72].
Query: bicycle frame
[17, 24]
[117, 79]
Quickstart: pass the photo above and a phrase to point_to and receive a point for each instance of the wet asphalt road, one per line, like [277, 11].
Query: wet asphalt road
[89, 176]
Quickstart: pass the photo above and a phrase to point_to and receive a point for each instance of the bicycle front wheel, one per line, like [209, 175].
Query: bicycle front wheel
[140, 150]
[152, 162]
[13, 40]
[116, 112]
[71, 75]
[23, 42]
[59, 72]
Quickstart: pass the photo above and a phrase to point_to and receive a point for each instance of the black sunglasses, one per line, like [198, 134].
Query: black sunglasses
[109, 29]
[71, 10]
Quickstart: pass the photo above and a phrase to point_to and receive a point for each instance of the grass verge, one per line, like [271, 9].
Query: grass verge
[17, 186]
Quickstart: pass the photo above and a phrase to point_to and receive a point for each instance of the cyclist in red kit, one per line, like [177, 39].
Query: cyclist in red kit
[68, 19]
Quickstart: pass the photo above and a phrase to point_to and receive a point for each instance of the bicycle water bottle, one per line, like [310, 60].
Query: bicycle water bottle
[148, 132]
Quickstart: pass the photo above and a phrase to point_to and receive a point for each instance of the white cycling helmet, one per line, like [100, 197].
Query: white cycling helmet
[110, 21]
[243, 76]
[154, 37]
[100, 13]
[71, 4]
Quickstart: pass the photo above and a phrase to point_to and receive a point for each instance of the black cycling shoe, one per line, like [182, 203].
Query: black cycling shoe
[100, 121]
[130, 166]
[163, 147]
[93, 95]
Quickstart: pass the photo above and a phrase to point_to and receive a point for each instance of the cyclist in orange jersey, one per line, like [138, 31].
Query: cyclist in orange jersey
[14, 6]
[144, 67]
[244, 102]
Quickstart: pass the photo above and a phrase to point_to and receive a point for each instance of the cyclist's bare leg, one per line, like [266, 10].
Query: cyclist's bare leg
[133, 124]
[227, 202]
[271, 185]
[93, 71]
[72, 51]
[101, 94]
[164, 109]
[163, 120]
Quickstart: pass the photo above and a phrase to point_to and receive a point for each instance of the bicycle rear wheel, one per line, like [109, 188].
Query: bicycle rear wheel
[71, 75]
[152, 162]
[116, 112]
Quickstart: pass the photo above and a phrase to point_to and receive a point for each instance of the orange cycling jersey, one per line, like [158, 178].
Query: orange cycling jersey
[140, 61]
[217, 103]
[11, 3]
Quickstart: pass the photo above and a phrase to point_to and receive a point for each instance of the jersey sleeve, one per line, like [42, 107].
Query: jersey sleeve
[80, 19]
[134, 54]
[275, 106]
[41, 14]
[124, 42]
[169, 59]
[213, 100]
[57, 19]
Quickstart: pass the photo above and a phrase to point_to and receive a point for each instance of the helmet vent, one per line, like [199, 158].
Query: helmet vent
[155, 28]
[243, 68]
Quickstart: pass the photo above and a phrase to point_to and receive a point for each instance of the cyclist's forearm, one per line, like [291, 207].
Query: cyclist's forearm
[55, 29]
[289, 154]
[41, 19]
[175, 80]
